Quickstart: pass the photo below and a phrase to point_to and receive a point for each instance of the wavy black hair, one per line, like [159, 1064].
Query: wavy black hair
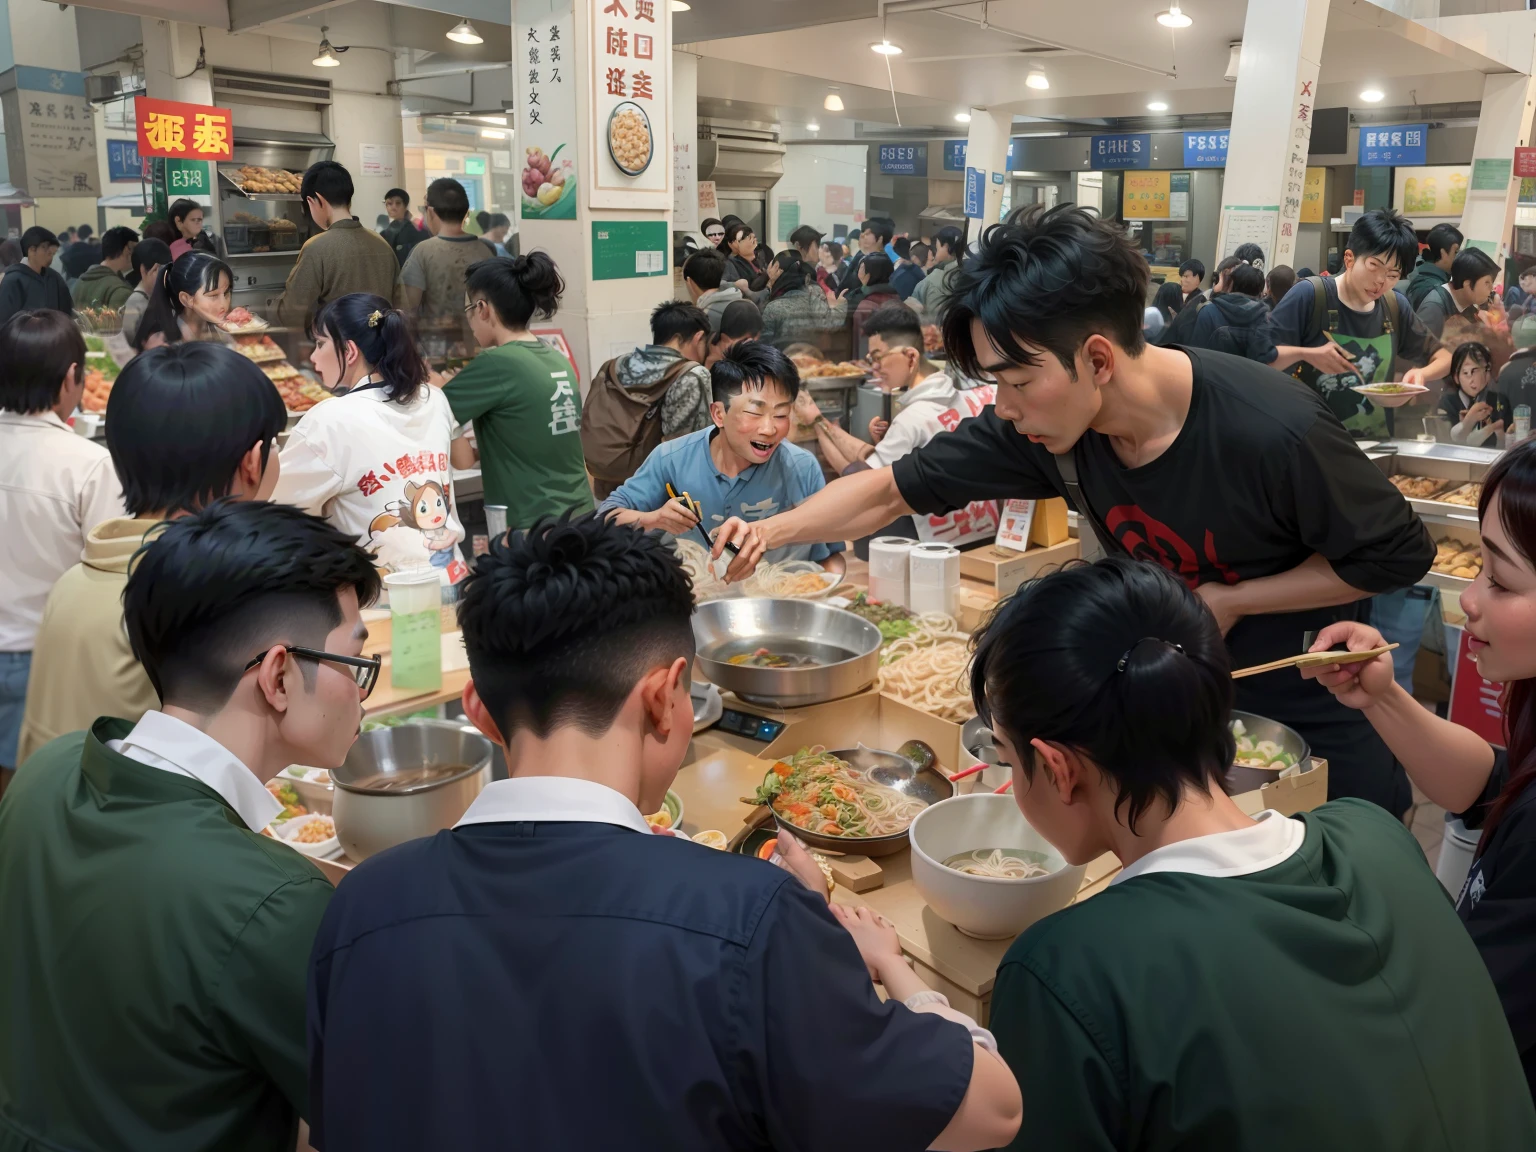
[1386, 234]
[563, 620]
[191, 272]
[1122, 663]
[382, 337]
[1048, 278]
[752, 364]
[518, 288]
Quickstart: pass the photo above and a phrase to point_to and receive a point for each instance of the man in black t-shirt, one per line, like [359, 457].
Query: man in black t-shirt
[1221, 469]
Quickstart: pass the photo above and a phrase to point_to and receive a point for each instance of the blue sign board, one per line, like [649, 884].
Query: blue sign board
[1393, 145]
[1122, 150]
[904, 159]
[954, 155]
[47, 80]
[997, 177]
[1205, 149]
[975, 192]
[123, 161]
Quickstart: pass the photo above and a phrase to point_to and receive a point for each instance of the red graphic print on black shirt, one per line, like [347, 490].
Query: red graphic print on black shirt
[1147, 538]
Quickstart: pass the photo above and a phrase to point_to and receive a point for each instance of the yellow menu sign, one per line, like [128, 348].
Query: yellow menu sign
[1312, 196]
[1145, 196]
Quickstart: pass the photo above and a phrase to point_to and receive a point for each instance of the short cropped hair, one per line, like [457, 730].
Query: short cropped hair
[741, 318]
[1193, 267]
[1387, 235]
[1470, 266]
[37, 237]
[897, 325]
[446, 197]
[805, 237]
[752, 364]
[116, 241]
[673, 320]
[1440, 240]
[706, 268]
[328, 180]
[398, 194]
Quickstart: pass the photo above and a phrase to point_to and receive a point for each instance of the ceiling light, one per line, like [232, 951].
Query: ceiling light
[492, 134]
[680, 6]
[326, 57]
[1037, 79]
[1372, 95]
[464, 33]
[885, 48]
[813, 127]
[1157, 106]
[833, 102]
[1174, 18]
[963, 117]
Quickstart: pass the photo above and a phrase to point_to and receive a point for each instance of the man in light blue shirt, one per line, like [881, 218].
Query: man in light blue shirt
[739, 467]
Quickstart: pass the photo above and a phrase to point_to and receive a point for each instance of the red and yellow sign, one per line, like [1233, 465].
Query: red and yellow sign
[184, 131]
[1145, 196]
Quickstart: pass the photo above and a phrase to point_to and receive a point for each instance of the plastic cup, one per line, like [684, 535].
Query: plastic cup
[416, 628]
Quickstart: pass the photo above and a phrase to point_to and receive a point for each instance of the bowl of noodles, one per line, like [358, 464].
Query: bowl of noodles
[980, 866]
[859, 800]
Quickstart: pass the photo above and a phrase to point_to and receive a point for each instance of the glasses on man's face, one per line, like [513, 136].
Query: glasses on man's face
[363, 669]
[714, 235]
[472, 305]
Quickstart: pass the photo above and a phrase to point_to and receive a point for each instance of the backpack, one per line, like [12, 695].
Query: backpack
[1182, 326]
[621, 426]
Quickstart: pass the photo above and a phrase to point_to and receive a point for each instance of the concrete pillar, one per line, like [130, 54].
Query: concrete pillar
[1271, 125]
[986, 151]
[1503, 125]
[38, 35]
[170, 52]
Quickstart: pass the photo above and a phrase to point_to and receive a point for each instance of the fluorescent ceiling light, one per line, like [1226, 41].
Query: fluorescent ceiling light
[963, 117]
[833, 102]
[885, 48]
[326, 57]
[681, 6]
[1174, 18]
[1157, 106]
[1038, 80]
[1372, 95]
[813, 127]
[500, 121]
[492, 134]
[464, 33]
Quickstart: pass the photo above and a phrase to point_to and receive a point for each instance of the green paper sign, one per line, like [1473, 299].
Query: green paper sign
[628, 249]
[187, 178]
[474, 165]
[789, 217]
[1491, 175]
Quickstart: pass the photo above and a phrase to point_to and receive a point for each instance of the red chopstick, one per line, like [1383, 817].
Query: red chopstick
[968, 772]
[1004, 788]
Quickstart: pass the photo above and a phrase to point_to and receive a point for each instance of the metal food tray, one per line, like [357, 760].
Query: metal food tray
[1455, 463]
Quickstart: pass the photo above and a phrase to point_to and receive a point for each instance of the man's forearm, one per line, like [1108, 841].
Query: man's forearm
[1311, 584]
[849, 507]
[840, 448]
[1288, 356]
[1439, 365]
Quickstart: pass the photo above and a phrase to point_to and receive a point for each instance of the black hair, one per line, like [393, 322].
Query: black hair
[1470, 266]
[213, 590]
[1227, 264]
[499, 220]
[728, 220]
[483, 219]
[161, 230]
[1250, 254]
[708, 220]
[805, 237]
[1247, 280]
[447, 198]
[180, 209]
[734, 232]
[1528, 270]
[398, 194]
[883, 230]
[706, 268]
[84, 232]
[181, 419]
[794, 273]
[752, 364]
[1471, 350]
[1050, 278]
[148, 253]
[1193, 267]
[741, 318]
[37, 237]
[518, 288]
[918, 253]
[1281, 279]
[116, 241]
[37, 348]
[1441, 239]
[834, 248]
[953, 240]
[383, 339]
[561, 621]
[877, 268]
[1120, 662]
[896, 324]
[1303, 273]
[673, 320]
[191, 272]
[1385, 234]
[902, 247]
[328, 180]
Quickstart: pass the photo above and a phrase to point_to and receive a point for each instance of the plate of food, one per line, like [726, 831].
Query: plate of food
[629, 138]
[313, 835]
[669, 817]
[1391, 395]
[240, 321]
[791, 580]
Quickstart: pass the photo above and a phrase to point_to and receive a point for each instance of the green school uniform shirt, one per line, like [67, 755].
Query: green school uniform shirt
[526, 406]
[153, 955]
[1326, 1004]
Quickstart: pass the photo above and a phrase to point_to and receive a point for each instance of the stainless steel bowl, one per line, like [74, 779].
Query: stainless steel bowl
[926, 784]
[978, 746]
[1243, 779]
[401, 783]
[846, 646]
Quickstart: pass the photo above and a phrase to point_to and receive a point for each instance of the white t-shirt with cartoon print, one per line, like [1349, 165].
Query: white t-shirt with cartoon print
[379, 471]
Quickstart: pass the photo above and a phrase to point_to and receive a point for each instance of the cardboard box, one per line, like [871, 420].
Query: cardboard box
[1006, 569]
[1050, 524]
[1300, 793]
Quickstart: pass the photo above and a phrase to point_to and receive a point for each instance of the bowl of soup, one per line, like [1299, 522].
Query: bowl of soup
[785, 652]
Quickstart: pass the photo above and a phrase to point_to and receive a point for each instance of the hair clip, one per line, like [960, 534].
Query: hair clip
[374, 318]
[1120, 664]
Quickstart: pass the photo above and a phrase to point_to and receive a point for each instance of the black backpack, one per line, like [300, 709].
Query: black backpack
[1325, 317]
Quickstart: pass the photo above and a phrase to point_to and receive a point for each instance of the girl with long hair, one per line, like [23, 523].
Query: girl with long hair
[796, 308]
[1456, 768]
[189, 302]
[375, 461]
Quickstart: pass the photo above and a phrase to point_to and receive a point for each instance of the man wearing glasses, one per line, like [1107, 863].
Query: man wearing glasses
[160, 939]
[1364, 331]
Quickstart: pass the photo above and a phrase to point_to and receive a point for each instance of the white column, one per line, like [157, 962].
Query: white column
[1271, 125]
[986, 150]
[1503, 125]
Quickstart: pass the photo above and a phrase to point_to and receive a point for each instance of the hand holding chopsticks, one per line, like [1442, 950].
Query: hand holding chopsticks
[696, 510]
[1314, 660]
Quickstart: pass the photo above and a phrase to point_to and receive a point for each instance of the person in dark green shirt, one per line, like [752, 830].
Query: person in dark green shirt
[1245, 985]
[521, 394]
[155, 945]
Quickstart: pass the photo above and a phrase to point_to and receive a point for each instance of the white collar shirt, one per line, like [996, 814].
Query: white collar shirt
[540, 799]
[175, 746]
[1271, 840]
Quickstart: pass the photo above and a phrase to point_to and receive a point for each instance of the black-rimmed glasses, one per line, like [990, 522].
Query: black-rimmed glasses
[364, 669]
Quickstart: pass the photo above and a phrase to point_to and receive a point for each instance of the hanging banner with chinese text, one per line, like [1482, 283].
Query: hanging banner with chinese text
[544, 75]
[184, 131]
[50, 133]
[630, 114]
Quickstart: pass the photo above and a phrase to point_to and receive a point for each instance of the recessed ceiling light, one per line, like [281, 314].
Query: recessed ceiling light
[963, 117]
[813, 127]
[1037, 80]
[492, 134]
[681, 6]
[833, 102]
[326, 57]
[1157, 106]
[464, 33]
[1372, 95]
[885, 48]
[1174, 18]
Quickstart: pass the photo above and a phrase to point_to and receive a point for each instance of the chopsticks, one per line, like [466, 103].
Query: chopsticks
[958, 776]
[1314, 660]
[697, 511]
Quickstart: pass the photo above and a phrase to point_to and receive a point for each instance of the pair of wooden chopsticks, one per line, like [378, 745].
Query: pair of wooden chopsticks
[1314, 660]
[696, 510]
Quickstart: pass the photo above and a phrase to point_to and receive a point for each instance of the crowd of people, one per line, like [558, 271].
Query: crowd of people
[186, 621]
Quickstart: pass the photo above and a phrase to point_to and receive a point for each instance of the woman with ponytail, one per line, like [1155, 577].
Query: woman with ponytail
[521, 393]
[796, 308]
[1456, 768]
[189, 302]
[1174, 1008]
[375, 462]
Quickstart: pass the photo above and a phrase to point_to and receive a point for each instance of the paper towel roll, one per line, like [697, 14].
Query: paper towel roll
[888, 559]
[933, 580]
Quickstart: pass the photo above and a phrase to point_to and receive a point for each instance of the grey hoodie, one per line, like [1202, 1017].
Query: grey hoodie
[715, 303]
[686, 407]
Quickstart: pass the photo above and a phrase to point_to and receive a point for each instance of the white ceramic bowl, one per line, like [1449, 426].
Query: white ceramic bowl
[981, 906]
